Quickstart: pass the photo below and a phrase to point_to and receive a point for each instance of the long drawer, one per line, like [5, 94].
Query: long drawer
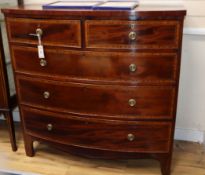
[126, 102]
[98, 134]
[98, 66]
[114, 34]
[66, 33]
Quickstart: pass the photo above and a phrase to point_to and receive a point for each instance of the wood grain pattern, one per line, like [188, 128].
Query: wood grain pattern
[64, 33]
[151, 102]
[115, 34]
[105, 135]
[110, 67]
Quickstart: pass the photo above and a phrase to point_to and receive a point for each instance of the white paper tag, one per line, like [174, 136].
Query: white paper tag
[41, 51]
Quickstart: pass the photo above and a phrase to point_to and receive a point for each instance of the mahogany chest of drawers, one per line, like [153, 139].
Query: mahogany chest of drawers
[108, 84]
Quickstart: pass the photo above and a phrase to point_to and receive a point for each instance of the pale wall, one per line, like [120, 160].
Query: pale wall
[191, 104]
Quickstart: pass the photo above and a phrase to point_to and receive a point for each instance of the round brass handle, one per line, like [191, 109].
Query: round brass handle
[43, 62]
[39, 31]
[49, 127]
[132, 102]
[132, 67]
[132, 36]
[46, 94]
[130, 137]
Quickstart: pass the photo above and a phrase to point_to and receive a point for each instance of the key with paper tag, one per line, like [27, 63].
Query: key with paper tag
[41, 52]
[40, 48]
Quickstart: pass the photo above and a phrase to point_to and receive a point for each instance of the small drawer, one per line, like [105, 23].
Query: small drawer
[113, 34]
[112, 67]
[97, 134]
[124, 102]
[65, 33]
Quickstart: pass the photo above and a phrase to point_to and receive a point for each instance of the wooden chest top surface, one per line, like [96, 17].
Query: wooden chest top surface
[142, 11]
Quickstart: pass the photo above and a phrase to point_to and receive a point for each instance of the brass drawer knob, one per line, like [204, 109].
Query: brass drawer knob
[46, 94]
[43, 62]
[132, 102]
[49, 127]
[132, 36]
[132, 67]
[39, 32]
[130, 137]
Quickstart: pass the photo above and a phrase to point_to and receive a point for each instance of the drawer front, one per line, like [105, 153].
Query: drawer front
[98, 134]
[66, 33]
[106, 66]
[132, 34]
[126, 102]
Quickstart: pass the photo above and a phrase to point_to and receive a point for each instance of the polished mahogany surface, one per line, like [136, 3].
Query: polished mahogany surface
[98, 99]
[55, 33]
[108, 84]
[112, 67]
[150, 34]
[100, 134]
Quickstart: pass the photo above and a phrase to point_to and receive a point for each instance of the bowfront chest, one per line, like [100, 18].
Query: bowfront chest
[98, 83]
